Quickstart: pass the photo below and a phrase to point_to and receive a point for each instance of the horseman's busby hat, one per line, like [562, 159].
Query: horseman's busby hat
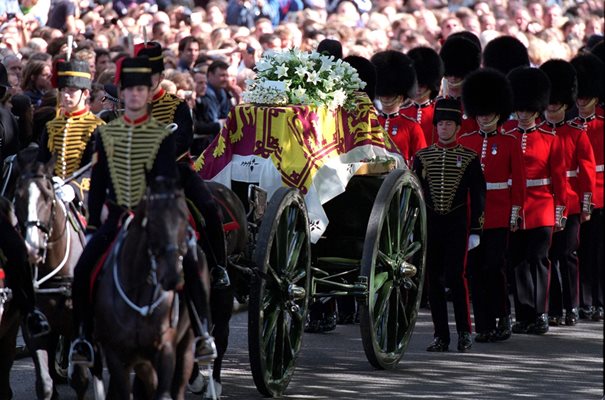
[447, 109]
[487, 91]
[74, 73]
[395, 74]
[460, 56]
[429, 68]
[133, 71]
[366, 71]
[590, 76]
[153, 50]
[505, 53]
[531, 89]
[563, 82]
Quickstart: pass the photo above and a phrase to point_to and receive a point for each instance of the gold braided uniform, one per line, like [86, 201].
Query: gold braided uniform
[68, 138]
[131, 150]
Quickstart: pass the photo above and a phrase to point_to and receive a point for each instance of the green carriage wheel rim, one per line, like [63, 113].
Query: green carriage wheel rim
[280, 295]
[393, 262]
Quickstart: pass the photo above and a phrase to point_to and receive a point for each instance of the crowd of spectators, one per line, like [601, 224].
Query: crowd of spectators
[231, 35]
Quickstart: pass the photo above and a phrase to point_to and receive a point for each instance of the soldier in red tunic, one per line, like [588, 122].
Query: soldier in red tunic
[429, 71]
[545, 203]
[590, 72]
[487, 97]
[579, 159]
[395, 84]
[460, 56]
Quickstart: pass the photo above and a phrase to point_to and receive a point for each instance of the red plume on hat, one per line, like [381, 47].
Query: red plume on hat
[116, 79]
[54, 77]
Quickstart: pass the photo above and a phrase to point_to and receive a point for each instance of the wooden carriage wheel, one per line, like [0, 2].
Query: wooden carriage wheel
[279, 296]
[393, 263]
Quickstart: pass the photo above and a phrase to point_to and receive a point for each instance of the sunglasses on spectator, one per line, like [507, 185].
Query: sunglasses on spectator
[250, 50]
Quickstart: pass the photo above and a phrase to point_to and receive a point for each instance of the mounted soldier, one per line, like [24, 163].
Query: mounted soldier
[130, 151]
[69, 136]
[169, 109]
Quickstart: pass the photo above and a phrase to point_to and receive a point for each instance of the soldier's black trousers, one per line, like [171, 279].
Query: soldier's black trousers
[94, 250]
[486, 269]
[213, 236]
[447, 243]
[531, 268]
[592, 259]
[18, 271]
[565, 274]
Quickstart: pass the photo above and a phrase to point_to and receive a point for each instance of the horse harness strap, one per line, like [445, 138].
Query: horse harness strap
[129, 155]
[159, 294]
[68, 138]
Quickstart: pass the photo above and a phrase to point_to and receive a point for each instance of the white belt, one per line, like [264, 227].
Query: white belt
[496, 185]
[538, 182]
[600, 168]
[571, 174]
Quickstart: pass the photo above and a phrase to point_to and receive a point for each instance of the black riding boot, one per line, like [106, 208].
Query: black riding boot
[199, 310]
[212, 238]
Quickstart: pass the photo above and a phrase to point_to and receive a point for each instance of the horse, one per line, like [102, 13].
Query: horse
[54, 239]
[9, 320]
[136, 294]
[221, 300]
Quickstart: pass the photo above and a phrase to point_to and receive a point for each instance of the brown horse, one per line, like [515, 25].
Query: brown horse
[54, 240]
[141, 321]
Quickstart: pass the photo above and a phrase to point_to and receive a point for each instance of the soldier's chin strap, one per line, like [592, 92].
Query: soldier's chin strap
[490, 125]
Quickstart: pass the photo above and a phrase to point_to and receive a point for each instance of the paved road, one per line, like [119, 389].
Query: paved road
[567, 363]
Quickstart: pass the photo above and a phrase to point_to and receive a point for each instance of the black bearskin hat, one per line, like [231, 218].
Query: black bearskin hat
[429, 68]
[563, 82]
[487, 91]
[531, 89]
[590, 76]
[153, 50]
[395, 74]
[447, 109]
[74, 73]
[468, 35]
[505, 53]
[460, 57]
[366, 71]
[134, 72]
[599, 50]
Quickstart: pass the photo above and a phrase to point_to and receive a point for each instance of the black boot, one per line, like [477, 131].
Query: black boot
[504, 329]
[220, 277]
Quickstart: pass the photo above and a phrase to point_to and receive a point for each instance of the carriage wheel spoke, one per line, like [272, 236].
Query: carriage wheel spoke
[382, 301]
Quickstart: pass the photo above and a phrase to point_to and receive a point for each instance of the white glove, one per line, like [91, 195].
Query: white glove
[473, 241]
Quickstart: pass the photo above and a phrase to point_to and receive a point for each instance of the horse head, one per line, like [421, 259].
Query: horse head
[35, 207]
[166, 227]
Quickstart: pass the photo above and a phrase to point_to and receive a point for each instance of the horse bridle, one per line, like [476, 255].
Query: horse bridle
[48, 230]
[159, 294]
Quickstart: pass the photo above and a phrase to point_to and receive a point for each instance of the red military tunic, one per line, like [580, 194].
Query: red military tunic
[502, 162]
[546, 183]
[423, 114]
[405, 132]
[594, 128]
[579, 161]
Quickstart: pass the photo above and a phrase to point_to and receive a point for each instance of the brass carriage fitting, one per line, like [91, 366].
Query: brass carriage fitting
[560, 219]
[406, 269]
[587, 205]
[515, 217]
[296, 292]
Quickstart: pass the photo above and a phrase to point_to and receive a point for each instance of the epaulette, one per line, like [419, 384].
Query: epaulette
[599, 116]
[469, 134]
[575, 125]
[540, 127]
[508, 134]
[410, 118]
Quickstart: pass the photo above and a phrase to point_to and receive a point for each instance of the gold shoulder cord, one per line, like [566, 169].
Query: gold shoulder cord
[164, 108]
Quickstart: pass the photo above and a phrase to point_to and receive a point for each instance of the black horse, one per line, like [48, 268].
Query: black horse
[137, 297]
[221, 299]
